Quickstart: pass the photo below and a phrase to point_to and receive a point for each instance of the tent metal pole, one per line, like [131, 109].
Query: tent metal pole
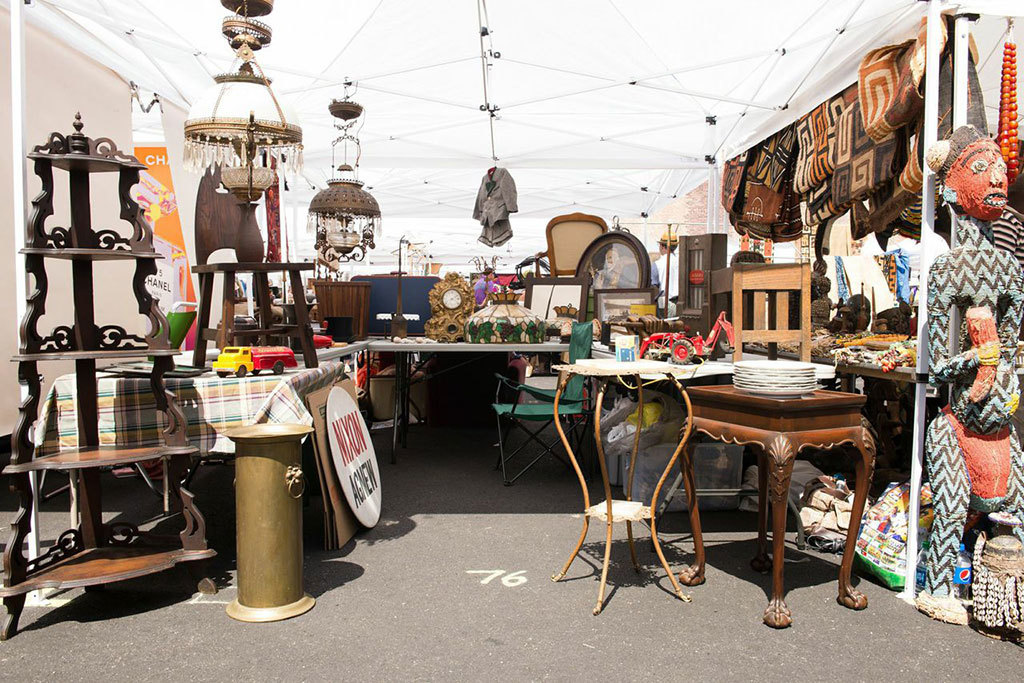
[824, 51]
[931, 132]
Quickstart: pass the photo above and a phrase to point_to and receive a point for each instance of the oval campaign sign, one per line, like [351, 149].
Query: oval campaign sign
[353, 455]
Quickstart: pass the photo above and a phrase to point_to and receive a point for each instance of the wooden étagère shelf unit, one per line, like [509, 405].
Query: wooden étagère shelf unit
[95, 552]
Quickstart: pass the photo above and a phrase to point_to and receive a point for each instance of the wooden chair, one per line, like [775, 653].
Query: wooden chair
[568, 237]
[760, 304]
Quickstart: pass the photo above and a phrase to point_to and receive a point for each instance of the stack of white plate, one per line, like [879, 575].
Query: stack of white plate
[776, 378]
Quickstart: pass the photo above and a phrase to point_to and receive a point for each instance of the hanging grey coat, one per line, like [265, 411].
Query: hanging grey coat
[496, 199]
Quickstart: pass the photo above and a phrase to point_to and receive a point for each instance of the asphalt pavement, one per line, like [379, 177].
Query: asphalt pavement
[454, 584]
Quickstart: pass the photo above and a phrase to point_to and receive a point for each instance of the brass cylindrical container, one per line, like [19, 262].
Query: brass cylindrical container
[268, 511]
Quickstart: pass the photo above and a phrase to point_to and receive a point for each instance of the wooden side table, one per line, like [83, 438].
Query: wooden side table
[779, 429]
[611, 511]
[226, 334]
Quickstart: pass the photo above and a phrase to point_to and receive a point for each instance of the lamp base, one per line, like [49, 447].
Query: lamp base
[258, 615]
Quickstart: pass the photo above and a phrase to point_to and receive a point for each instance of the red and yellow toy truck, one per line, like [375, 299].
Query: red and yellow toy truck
[242, 360]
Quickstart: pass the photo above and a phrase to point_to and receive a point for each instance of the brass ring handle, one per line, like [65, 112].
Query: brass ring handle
[293, 479]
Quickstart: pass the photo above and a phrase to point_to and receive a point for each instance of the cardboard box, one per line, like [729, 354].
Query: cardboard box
[340, 523]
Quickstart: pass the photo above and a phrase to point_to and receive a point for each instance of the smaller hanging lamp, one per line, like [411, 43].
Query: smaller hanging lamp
[344, 217]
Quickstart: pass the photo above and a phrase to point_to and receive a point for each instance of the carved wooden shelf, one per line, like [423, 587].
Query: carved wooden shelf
[89, 163]
[104, 456]
[95, 355]
[91, 254]
[95, 552]
[104, 565]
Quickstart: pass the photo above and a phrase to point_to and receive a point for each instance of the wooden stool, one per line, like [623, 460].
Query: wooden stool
[226, 334]
[779, 429]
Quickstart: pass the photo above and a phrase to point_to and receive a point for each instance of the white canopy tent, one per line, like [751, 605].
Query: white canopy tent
[601, 107]
[608, 107]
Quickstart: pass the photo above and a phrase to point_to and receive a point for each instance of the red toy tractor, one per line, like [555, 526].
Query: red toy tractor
[676, 347]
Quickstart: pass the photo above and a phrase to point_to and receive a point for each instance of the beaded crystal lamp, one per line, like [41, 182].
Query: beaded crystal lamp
[240, 121]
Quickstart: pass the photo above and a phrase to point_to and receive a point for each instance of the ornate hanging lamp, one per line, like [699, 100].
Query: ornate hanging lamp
[344, 217]
[240, 122]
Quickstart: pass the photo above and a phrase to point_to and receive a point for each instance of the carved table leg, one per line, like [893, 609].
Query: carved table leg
[865, 445]
[761, 563]
[694, 574]
[780, 455]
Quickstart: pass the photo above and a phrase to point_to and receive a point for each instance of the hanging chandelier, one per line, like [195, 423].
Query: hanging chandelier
[344, 217]
[240, 122]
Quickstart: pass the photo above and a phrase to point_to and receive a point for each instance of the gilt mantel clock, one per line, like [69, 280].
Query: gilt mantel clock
[451, 304]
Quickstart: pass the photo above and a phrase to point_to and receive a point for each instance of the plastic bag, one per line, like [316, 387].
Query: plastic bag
[652, 414]
[882, 542]
[619, 446]
[715, 466]
[614, 420]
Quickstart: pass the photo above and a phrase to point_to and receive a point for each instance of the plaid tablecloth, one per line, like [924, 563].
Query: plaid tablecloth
[128, 414]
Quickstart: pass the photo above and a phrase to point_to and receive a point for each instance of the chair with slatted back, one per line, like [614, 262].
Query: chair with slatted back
[766, 287]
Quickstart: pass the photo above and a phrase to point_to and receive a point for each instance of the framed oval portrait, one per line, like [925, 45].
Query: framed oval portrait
[616, 260]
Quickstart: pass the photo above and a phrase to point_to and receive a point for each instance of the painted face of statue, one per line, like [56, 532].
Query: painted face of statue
[976, 182]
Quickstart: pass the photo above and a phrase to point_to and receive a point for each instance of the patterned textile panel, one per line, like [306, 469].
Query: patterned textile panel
[816, 134]
[812, 152]
[889, 97]
[772, 215]
[912, 176]
[732, 182]
[790, 225]
[909, 222]
[761, 204]
[861, 164]
[773, 159]
[888, 204]
[819, 205]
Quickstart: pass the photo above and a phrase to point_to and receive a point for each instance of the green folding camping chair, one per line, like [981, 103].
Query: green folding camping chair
[573, 409]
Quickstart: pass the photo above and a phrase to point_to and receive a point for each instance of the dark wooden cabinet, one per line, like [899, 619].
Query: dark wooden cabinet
[698, 255]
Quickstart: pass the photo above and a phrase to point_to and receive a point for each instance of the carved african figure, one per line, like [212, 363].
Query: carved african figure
[973, 456]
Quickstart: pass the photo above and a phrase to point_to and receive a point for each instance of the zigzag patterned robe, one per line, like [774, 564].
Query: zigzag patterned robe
[975, 273]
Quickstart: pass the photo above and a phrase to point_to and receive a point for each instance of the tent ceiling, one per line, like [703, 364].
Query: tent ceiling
[602, 105]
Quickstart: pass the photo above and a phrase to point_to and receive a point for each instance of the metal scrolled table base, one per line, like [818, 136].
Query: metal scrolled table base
[622, 510]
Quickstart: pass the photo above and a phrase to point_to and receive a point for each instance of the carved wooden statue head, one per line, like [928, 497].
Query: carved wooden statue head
[972, 172]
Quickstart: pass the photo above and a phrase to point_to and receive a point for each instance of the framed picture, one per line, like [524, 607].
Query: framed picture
[616, 260]
[544, 293]
[613, 303]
